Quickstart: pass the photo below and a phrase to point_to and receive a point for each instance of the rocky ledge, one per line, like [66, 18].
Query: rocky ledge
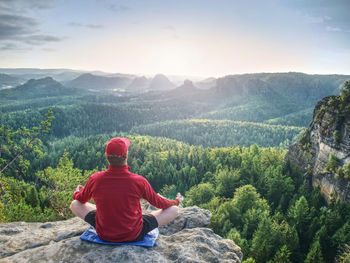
[186, 239]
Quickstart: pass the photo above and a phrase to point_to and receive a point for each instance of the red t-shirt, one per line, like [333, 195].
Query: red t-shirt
[117, 193]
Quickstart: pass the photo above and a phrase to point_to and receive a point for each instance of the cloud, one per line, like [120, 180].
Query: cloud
[13, 27]
[90, 26]
[24, 6]
[12, 46]
[17, 32]
[336, 29]
[316, 19]
[331, 13]
[118, 8]
[41, 39]
[333, 29]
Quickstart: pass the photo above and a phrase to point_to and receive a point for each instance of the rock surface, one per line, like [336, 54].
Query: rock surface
[311, 153]
[186, 239]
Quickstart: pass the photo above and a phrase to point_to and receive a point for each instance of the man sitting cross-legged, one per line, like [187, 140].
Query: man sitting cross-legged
[117, 215]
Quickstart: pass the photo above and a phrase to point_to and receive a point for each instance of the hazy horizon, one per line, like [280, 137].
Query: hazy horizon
[186, 38]
[197, 77]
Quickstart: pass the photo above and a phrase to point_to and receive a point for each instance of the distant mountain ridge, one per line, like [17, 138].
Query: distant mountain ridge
[264, 96]
[293, 86]
[161, 82]
[139, 84]
[93, 82]
[89, 81]
[273, 98]
[8, 81]
[35, 88]
[35, 73]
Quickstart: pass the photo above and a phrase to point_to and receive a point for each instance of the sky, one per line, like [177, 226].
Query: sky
[208, 38]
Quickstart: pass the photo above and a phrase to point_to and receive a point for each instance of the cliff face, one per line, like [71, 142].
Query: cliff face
[328, 134]
[186, 239]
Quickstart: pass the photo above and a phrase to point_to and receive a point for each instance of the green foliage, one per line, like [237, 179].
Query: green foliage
[299, 215]
[15, 144]
[344, 256]
[243, 212]
[332, 164]
[32, 197]
[200, 194]
[62, 181]
[336, 136]
[266, 241]
[169, 191]
[282, 256]
[305, 140]
[246, 198]
[279, 188]
[319, 113]
[315, 254]
[227, 181]
[300, 118]
[249, 260]
[215, 133]
[343, 172]
[345, 91]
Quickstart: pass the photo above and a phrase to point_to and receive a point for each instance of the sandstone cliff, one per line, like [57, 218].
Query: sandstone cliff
[328, 135]
[186, 239]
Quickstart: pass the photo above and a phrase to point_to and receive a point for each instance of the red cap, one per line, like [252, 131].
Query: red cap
[118, 146]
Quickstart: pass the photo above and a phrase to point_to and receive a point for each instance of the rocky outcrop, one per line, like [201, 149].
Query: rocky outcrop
[186, 239]
[329, 133]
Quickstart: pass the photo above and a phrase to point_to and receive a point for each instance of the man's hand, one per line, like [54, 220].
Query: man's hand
[79, 188]
[179, 197]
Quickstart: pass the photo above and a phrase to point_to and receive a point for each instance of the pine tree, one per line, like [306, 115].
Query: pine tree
[32, 197]
[282, 256]
[315, 253]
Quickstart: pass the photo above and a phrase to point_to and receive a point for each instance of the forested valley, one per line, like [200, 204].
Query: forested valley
[223, 148]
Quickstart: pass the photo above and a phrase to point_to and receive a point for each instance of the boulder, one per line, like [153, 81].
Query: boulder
[186, 239]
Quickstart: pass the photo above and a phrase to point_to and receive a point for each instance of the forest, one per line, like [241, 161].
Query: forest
[222, 133]
[236, 169]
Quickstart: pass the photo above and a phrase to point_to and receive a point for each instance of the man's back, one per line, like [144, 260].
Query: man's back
[117, 194]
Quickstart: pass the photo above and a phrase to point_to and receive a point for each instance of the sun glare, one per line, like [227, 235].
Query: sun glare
[172, 58]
